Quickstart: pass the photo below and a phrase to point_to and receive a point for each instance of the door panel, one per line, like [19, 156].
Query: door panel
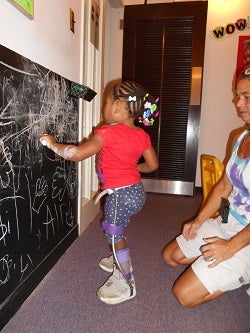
[163, 47]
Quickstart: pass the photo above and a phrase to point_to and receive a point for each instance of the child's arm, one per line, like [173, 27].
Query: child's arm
[73, 152]
[151, 161]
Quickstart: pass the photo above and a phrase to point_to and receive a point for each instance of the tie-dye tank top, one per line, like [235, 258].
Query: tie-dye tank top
[238, 172]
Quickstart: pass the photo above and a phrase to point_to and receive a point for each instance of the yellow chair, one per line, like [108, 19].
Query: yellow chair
[211, 171]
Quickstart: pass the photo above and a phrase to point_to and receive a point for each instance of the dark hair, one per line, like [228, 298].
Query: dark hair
[244, 74]
[133, 94]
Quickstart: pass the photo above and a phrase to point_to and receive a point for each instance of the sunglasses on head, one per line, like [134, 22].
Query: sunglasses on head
[247, 71]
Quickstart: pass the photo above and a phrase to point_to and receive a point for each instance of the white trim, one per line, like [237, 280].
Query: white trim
[92, 76]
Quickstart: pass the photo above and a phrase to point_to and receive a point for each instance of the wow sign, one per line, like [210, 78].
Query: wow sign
[222, 31]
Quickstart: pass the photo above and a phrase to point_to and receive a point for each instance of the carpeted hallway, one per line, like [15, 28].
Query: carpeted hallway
[65, 300]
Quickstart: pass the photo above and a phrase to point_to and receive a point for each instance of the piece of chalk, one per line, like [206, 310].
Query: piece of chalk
[44, 142]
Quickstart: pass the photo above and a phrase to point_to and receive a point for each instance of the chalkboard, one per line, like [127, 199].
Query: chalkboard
[38, 189]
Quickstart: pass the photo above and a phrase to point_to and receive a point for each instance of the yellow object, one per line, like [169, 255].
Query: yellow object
[211, 171]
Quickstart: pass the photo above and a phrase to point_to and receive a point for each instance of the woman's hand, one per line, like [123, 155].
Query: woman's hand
[190, 229]
[47, 140]
[216, 250]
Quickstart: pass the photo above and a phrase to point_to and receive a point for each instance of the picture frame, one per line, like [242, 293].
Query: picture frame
[243, 55]
[25, 6]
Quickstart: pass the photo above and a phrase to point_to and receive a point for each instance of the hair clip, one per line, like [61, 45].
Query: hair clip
[149, 113]
[132, 98]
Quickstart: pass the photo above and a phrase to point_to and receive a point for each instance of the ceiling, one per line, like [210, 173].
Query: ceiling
[121, 3]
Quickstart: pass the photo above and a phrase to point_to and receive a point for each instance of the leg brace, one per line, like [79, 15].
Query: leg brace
[122, 257]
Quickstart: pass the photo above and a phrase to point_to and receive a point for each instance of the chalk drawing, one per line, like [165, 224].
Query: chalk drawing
[38, 189]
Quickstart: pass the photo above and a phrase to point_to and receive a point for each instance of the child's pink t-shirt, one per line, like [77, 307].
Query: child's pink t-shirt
[122, 148]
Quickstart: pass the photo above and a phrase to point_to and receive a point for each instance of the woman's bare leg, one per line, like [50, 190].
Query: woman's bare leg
[188, 289]
[190, 292]
[173, 255]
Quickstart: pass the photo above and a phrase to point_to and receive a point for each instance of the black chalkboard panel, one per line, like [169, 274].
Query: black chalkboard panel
[38, 190]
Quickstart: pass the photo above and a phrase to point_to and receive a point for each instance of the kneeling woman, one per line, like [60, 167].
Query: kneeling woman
[218, 253]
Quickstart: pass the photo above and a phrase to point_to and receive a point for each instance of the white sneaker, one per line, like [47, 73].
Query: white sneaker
[107, 264]
[116, 289]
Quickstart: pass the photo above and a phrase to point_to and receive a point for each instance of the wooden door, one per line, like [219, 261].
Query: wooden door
[163, 49]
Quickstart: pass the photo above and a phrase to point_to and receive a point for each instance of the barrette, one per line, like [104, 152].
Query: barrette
[149, 113]
[132, 98]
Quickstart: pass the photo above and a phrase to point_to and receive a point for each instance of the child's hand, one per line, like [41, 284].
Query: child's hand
[47, 140]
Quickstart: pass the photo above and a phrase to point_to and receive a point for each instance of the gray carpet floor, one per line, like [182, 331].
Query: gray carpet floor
[65, 301]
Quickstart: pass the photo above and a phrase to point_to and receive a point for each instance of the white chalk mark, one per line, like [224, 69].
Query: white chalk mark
[33, 104]
[17, 70]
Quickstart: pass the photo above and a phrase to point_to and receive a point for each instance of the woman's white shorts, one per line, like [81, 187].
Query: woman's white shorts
[227, 275]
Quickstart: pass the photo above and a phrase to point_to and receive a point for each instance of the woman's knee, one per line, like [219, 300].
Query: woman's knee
[170, 253]
[182, 296]
[190, 291]
[166, 255]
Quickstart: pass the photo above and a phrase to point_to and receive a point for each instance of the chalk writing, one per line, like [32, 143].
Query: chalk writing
[38, 189]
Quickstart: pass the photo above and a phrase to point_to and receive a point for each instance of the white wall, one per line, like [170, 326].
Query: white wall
[49, 41]
[218, 116]
[113, 42]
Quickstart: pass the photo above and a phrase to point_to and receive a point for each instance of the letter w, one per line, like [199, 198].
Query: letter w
[241, 25]
[218, 32]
